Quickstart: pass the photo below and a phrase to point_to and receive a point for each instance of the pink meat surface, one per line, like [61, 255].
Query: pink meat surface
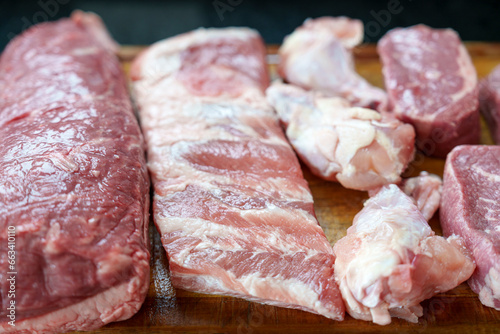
[234, 212]
[318, 56]
[357, 147]
[425, 190]
[391, 260]
[432, 84]
[73, 182]
[489, 101]
[470, 208]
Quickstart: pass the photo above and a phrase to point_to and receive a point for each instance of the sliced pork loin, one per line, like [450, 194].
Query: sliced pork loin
[432, 84]
[489, 100]
[470, 208]
[318, 56]
[73, 181]
[234, 212]
[357, 147]
[391, 260]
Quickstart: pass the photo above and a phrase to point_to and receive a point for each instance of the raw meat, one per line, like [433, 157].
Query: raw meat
[432, 84]
[470, 208]
[74, 182]
[489, 101]
[357, 147]
[234, 211]
[318, 56]
[391, 260]
[425, 190]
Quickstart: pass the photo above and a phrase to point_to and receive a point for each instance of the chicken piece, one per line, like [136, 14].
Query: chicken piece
[424, 189]
[318, 56]
[391, 260]
[357, 147]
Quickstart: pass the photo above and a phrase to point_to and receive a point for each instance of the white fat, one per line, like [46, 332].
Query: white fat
[51, 239]
[491, 289]
[375, 260]
[114, 262]
[86, 51]
[289, 290]
[467, 72]
[266, 238]
[64, 162]
[490, 176]
[353, 135]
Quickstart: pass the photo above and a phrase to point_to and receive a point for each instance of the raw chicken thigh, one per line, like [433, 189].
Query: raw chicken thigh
[357, 147]
[391, 260]
[318, 56]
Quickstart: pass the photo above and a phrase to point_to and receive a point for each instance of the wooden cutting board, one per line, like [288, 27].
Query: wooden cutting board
[172, 310]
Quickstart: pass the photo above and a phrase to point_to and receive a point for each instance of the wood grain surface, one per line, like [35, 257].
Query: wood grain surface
[172, 310]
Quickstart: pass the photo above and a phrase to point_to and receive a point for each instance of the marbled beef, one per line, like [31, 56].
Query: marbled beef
[73, 181]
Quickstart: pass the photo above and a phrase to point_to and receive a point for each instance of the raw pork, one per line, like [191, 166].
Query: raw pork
[470, 208]
[73, 181]
[432, 84]
[391, 260]
[489, 101]
[357, 147]
[234, 211]
[318, 56]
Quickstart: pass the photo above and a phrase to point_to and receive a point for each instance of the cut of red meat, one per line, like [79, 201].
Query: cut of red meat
[470, 208]
[234, 212]
[489, 100]
[432, 84]
[73, 179]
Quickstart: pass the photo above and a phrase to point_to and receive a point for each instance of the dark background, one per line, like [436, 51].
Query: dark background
[146, 21]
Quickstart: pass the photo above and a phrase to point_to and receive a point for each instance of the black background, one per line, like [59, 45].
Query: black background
[146, 21]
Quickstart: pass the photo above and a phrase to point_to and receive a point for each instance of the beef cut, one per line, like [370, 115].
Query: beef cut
[489, 102]
[234, 212]
[73, 181]
[318, 56]
[432, 84]
[391, 260]
[470, 208]
[357, 147]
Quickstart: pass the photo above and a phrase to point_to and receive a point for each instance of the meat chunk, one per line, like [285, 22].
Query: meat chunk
[357, 147]
[470, 208]
[391, 260]
[318, 56]
[432, 84]
[74, 188]
[234, 212]
[426, 190]
[489, 100]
